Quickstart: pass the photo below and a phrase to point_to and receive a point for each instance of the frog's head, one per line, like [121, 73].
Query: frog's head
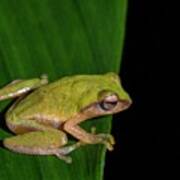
[105, 95]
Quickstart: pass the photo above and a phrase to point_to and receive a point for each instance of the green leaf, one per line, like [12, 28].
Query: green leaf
[58, 37]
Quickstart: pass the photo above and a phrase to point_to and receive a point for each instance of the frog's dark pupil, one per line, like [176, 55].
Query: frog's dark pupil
[108, 105]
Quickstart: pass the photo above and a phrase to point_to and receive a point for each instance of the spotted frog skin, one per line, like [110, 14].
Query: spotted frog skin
[44, 112]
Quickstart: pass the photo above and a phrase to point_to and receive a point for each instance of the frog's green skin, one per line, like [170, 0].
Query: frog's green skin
[44, 112]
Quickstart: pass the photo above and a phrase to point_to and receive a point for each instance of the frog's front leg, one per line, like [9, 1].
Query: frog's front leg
[20, 87]
[72, 128]
[48, 142]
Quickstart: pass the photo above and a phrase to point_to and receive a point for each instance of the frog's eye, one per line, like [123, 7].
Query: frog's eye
[109, 102]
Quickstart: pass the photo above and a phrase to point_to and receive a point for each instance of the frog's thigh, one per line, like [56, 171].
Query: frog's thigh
[37, 142]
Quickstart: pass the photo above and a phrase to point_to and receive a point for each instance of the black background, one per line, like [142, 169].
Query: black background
[147, 138]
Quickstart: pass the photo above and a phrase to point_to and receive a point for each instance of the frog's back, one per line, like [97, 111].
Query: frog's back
[51, 101]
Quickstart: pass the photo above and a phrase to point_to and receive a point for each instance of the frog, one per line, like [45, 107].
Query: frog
[44, 114]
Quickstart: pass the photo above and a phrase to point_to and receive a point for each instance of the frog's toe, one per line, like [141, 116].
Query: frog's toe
[109, 146]
[107, 140]
[67, 159]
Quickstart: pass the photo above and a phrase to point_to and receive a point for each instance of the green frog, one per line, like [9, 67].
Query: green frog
[44, 112]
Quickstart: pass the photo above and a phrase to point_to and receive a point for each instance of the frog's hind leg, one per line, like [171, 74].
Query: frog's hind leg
[36, 138]
[20, 87]
[48, 142]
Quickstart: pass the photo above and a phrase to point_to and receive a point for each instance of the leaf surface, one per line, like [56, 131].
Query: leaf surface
[58, 38]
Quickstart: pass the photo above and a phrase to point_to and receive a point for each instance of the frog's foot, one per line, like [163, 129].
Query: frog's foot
[62, 152]
[67, 159]
[106, 139]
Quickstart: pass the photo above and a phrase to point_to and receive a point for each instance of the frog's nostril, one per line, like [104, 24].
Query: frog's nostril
[126, 103]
